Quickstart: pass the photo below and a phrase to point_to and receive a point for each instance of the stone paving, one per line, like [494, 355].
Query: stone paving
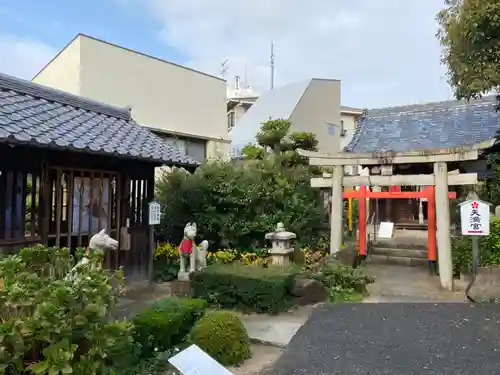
[396, 283]
[276, 330]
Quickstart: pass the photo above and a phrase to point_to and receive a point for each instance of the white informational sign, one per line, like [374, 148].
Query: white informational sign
[154, 213]
[194, 361]
[475, 218]
[385, 230]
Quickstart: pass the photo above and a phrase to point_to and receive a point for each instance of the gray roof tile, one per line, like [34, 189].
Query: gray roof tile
[41, 116]
[446, 124]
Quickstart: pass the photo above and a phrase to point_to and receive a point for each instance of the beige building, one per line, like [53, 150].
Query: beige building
[185, 106]
[311, 106]
[348, 119]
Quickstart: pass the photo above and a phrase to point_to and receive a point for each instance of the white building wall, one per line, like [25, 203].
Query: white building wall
[63, 72]
[162, 95]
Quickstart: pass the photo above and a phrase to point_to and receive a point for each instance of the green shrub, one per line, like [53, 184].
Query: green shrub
[344, 283]
[246, 287]
[124, 352]
[221, 334]
[50, 324]
[235, 205]
[489, 249]
[166, 323]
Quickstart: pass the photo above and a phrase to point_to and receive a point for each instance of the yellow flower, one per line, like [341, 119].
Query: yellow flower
[166, 250]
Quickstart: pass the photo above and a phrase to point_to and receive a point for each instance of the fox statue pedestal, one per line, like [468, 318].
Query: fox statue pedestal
[183, 276]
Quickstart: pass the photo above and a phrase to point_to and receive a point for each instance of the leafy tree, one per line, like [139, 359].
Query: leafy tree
[253, 152]
[470, 36]
[272, 134]
[275, 138]
[235, 206]
[304, 140]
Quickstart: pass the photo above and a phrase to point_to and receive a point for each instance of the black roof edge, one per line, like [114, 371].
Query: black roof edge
[88, 151]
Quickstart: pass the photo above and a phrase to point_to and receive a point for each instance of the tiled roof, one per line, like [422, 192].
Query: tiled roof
[40, 116]
[278, 103]
[446, 124]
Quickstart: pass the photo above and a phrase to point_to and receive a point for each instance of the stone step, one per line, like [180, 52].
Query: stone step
[402, 245]
[410, 226]
[404, 253]
[389, 259]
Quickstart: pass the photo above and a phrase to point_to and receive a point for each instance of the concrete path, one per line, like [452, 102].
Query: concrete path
[276, 330]
[396, 339]
[397, 283]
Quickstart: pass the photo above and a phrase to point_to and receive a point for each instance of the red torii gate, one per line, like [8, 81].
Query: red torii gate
[428, 192]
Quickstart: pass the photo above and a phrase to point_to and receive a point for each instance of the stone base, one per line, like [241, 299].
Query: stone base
[281, 258]
[181, 289]
[183, 276]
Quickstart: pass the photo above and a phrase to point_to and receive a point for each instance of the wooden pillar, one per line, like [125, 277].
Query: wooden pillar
[362, 220]
[44, 204]
[337, 207]
[349, 214]
[431, 229]
[443, 225]
[388, 209]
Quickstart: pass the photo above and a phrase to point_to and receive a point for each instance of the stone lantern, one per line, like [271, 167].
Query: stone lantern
[281, 245]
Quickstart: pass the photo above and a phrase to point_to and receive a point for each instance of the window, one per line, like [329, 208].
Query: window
[231, 118]
[331, 129]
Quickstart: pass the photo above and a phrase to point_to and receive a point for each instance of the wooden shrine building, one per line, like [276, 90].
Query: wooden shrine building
[432, 126]
[70, 167]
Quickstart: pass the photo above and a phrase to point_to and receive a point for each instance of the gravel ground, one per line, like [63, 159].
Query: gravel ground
[399, 339]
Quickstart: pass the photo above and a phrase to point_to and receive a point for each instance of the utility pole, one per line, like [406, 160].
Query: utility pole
[272, 65]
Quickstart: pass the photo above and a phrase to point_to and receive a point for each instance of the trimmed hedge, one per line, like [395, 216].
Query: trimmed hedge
[231, 345]
[249, 288]
[166, 323]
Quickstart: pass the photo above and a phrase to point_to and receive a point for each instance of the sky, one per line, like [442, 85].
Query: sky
[384, 52]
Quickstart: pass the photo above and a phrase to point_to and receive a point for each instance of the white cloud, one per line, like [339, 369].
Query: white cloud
[385, 52]
[23, 57]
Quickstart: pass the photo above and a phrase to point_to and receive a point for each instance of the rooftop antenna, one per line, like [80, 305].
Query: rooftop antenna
[223, 68]
[272, 65]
